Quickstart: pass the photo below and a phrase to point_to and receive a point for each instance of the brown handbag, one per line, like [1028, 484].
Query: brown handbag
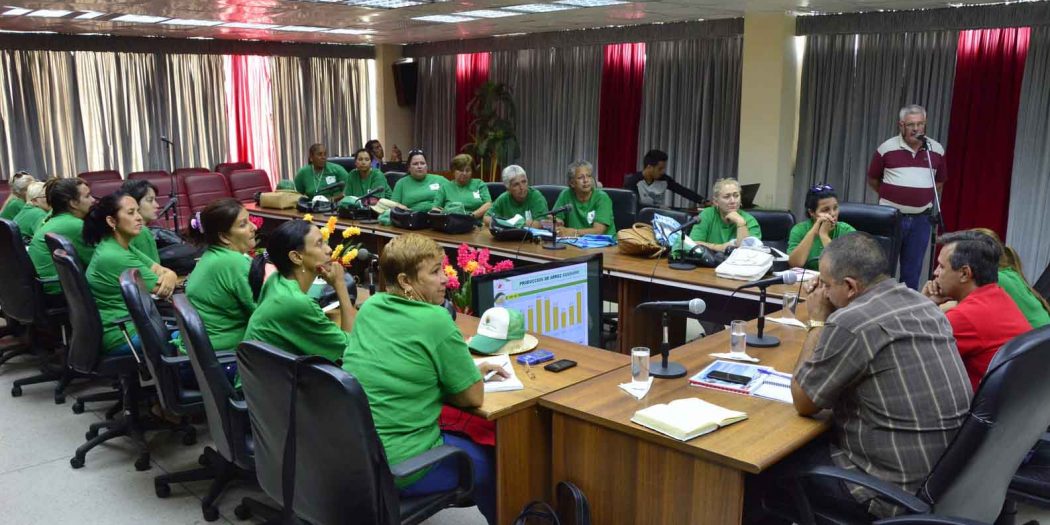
[639, 240]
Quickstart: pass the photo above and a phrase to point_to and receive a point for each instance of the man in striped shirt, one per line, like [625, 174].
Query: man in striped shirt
[882, 358]
[900, 174]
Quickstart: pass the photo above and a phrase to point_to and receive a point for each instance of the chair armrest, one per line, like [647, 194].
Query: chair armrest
[174, 360]
[433, 457]
[49, 280]
[926, 519]
[239, 405]
[887, 491]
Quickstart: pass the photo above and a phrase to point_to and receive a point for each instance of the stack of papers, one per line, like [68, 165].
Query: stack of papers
[508, 384]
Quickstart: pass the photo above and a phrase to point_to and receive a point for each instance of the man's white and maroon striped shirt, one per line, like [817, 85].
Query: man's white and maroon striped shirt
[905, 174]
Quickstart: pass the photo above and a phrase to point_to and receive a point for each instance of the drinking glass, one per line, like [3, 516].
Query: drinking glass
[738, 337]
[790, 305]
[640, 364]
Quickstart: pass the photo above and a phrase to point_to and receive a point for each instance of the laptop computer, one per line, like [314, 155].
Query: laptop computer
[747, 195]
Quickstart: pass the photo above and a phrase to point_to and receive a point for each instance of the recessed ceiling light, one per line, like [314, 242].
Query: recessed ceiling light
[248, 25]
[487, 13]
[539, 8]
[351, 31]
[384, 4]
[88, 15]
[445, 19]
[590, 3]
[191, 22]
[50, 13]
[16, 11]
[139, 19]
[300, 29]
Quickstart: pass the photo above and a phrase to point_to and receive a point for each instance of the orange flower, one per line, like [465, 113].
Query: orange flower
[308, 217]
[351, 231]
[338, 250]
[471, 267]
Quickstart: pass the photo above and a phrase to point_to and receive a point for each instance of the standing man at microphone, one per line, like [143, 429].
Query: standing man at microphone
[900, 174]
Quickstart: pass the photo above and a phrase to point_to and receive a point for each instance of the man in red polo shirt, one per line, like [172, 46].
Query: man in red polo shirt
[985, 317]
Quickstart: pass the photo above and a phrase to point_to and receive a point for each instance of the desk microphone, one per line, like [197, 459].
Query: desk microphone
[364, 255]
[371, 193]
[693, 306]
[665, 369]
[167, 206]
[760, 340]
[330, 187]
[786, 278]
[554, 227]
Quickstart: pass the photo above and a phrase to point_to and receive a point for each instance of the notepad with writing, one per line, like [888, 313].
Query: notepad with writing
[764, 382]
[686, 418]
[775, 385]
[508, 384]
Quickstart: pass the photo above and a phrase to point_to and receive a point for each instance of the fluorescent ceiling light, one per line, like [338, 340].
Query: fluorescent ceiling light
[190, 22]
[50, 13]
[300, 29]
[590, 3]
[139, 19]
[445, 19]
[351, 31]
[248, 25]
[384, 4]
[88, 15]
[16, 11]
[487, 13]
[539, 8]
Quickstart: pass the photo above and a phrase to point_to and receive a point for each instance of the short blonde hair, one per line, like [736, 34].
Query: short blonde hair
[404, 255]
[461, 162]
[21, 183]
[721, 183]
[35, 190]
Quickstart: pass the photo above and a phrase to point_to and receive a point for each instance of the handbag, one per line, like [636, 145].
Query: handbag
[639, 240]
[572, 505]
[280, 200]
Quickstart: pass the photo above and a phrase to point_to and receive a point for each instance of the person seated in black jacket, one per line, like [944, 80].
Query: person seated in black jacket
[652, 183]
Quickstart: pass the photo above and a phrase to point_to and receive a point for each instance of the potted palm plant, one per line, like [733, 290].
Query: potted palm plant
[494, 141]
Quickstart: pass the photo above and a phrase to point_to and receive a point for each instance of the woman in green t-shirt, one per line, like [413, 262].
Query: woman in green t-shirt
[590, 209]
[145, 193]
[34, 212]
[724, 224]
[366, 178]
[417, 191]
[808, 238]
[110, 226]
[1011, 279]
[17, 199]
[464, 189]
[408, 374]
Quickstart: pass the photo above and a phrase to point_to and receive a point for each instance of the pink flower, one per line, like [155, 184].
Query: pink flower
[505, 264]
[453, 284]
[464, 254]
[257, 221]
[483, 258]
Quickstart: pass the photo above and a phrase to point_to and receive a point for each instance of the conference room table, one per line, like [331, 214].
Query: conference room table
[635, 279]
[632, 474]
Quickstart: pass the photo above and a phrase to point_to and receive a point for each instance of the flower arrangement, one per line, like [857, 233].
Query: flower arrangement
[346, 252]
[471, 262]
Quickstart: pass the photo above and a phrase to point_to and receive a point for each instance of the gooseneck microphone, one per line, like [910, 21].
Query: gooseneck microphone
[786, 278]
[693, 306]
[666, 369]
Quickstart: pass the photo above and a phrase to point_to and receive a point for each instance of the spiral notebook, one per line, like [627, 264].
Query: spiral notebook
[765, 382]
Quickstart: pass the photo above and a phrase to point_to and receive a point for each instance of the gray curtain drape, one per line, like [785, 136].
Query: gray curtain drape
[691, 109]
[192, 105]
[1030, 183]
[291, 145]
[435, 109]
[852, 88]
[556, 94]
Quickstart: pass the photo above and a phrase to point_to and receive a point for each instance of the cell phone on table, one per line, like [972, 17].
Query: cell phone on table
[729, 378]
[535, 357]
[559, 365]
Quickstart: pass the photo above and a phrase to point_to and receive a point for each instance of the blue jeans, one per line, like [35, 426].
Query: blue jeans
[915, 230]
[124, 349]
[445, 475]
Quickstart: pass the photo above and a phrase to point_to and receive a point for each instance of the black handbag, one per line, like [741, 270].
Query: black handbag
[409, 220]
[704, 256]
[572, 508]
[453, 223]
[504, 233]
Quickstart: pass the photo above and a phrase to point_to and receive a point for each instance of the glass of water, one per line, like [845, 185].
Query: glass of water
[790, 305]
[640, 364]
[738, 337]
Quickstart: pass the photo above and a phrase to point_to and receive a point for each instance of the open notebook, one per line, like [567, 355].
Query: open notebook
[508, 384]
[686, 418]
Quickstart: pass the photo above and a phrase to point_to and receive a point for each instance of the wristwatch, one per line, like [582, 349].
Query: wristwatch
[814, 324]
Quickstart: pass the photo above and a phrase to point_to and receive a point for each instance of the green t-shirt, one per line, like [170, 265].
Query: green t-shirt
[358, 186]
[147, 244]
[407, 373]
[1018, 289]
[712, 229]
[68, 226]
[473, 196]
[798, 232]
[13, 206]
[584, 214]
[418, 195]
[218, 288]
[292, 321]
[533, 209]
[308, 180]
[103, 276]
[29, 219]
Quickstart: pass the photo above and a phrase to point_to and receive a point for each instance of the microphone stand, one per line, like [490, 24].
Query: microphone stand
[554, 234]
[936, 219]
[665, 369]
[173, 193]
[760, 340]
[680, 263]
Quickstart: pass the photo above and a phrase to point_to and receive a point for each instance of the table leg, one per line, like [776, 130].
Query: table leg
[523, 466]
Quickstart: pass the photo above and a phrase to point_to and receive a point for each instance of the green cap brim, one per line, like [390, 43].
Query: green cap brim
[485, 345]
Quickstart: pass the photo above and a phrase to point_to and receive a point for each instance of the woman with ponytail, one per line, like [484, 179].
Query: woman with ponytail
[286, 316]
[1011, 279]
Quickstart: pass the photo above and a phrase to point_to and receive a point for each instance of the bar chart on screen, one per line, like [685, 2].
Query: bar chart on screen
[553, 303]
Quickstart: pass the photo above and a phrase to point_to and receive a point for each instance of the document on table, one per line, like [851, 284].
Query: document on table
[508, 384]
[776, 386]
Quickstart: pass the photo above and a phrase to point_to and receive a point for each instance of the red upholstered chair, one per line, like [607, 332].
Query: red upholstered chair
[92, 176]
[5, 190]
[203, 188]
[228, 167]
[101, 188]
[183, 172]
[162, 181]
[244, 184]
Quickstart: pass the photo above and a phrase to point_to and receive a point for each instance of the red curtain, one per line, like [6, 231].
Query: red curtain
[239, 109]
[619, 112]
[472, 70]
[988, 73]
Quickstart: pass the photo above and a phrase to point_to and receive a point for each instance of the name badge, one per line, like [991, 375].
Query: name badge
[435, 187]
[329, 179]
[477, 195]
[528, 216]
[590, 217]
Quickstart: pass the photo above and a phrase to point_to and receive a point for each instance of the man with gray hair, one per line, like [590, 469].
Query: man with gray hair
[519, 200]
[900, 174]
[882, 358]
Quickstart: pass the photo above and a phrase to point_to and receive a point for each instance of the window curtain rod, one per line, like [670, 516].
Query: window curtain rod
[176, 46]
[949, 18]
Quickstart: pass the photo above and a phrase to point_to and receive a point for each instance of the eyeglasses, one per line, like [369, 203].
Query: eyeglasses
[415, 152]
[915, 125]
[820, 188]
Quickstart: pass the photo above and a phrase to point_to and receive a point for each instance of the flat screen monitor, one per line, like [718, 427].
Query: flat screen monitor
[560, 299]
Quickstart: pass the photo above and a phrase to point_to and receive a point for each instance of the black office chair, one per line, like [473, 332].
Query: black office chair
[337, 467]
[776, 226]
[625, 207]
[496, 189]
[550, 192]
[1031, 483]
[392, 177]
[926, 519]
[646, 215]
[1042, 285]
[881, 222]
[1008, 415]
[22, 300]
[228, 424]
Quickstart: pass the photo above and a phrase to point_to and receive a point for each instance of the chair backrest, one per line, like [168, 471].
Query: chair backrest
[646, 215]
[5, 190]
[348, 163]
[203, 188]
[776, 226]
[151, 174]
[55, 241]
[550, 192]
[340, 465]
[154, 337]
[162, 181]
[95, 176]
[244, 184]
[1008, 414]
[226, 167]
[1042, 285]
[20, 290]
[227, 427]
[183, 172]
[101, 188]
[881, 222]
[85, 325]
[625, 206]
[393, 176]
[496, 189]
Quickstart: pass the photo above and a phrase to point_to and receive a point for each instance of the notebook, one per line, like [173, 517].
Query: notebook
[687, 418]
[776, 386]
[507, 385]
[766, 382]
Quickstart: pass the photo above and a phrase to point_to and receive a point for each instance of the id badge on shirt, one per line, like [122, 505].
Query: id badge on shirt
[435, 187]
[477, 195]
[329, 179]
[590, 217]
